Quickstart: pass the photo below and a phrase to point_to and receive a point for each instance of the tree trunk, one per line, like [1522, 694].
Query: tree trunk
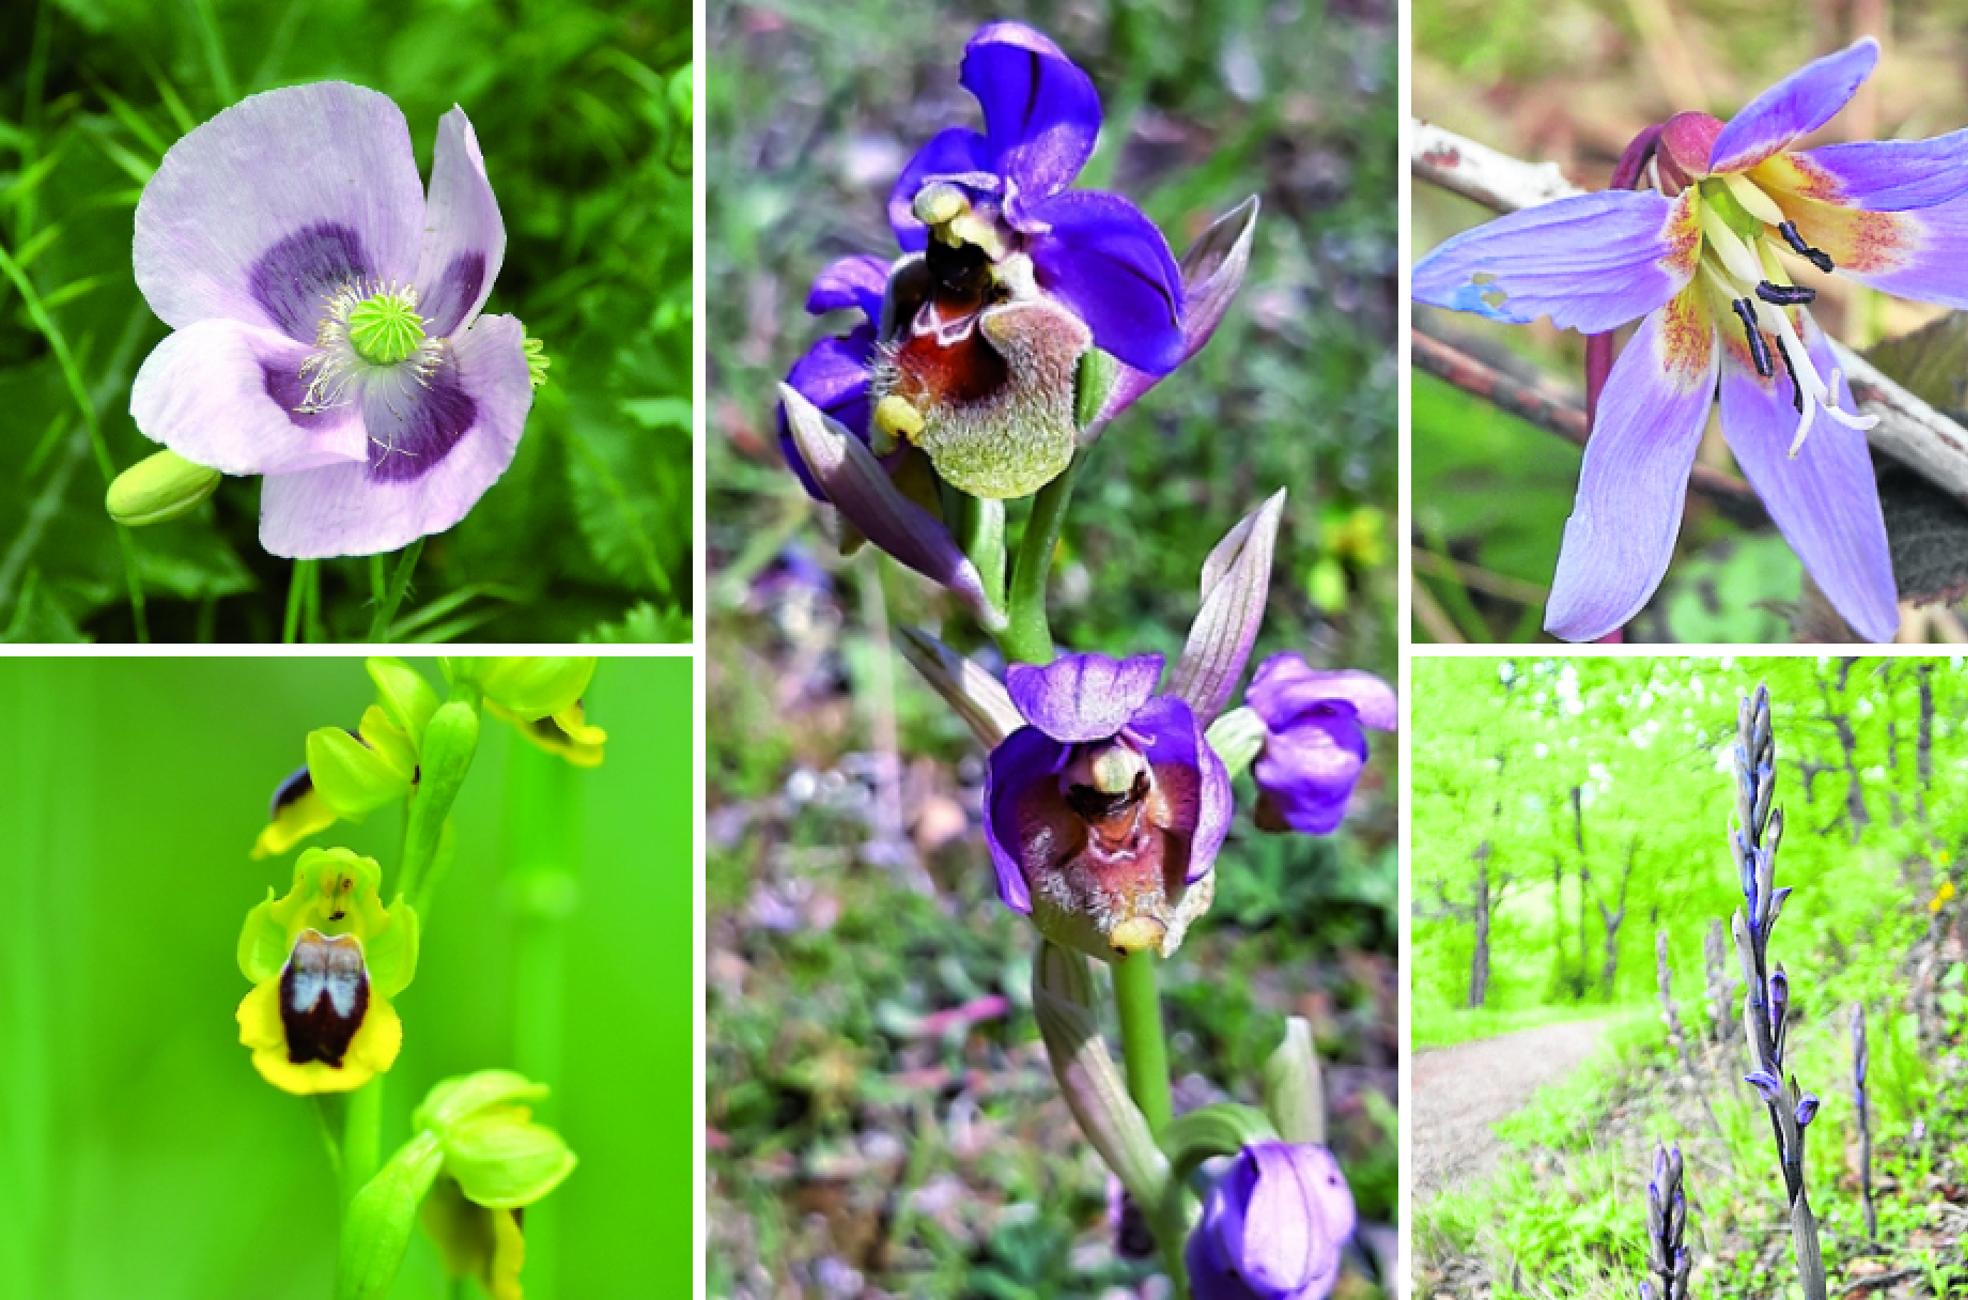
[1479, 960]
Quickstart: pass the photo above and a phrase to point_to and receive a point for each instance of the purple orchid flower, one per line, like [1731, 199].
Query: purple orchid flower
[1095, 252]
[1105, 812]
[1698, 259]
[326, 317]
[1314, 745]
[1274, 1226]
[834, 373]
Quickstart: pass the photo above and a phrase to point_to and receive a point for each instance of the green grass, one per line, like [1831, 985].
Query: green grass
[583, 114]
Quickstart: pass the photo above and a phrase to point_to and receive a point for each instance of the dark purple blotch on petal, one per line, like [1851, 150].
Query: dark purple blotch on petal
[413, 428]
[293, 280]
[444, 304]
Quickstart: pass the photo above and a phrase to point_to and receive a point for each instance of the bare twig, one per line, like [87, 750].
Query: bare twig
[1909, 430]
[1559, 413]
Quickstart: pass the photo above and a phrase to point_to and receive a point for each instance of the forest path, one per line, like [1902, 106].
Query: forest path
[1460, 1091]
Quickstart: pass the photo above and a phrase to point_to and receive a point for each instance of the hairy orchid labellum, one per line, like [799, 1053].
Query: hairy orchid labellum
[324, 962]
[1014, 277]
[1315, 742]
[1105, 811]
[1274, 1227]
[1705, 258]
[326, 317]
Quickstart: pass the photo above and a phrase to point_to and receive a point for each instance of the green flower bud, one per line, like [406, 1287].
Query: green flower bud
[405, 696]
[1294, 1092]
[528, 686]
[1238, 738]
[476, 1242]
[503, 1160]
[376, 1232]
[450, 741]
[158, 489]
[357, 774]
[459, 1098]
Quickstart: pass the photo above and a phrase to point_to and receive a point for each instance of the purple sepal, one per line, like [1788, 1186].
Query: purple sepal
[1041, 111]
[851, 478]
[1807, 1110]
[1026, 757]
[1099, 255]
[1764, 1082]
[1800, 103]
[1236, 584]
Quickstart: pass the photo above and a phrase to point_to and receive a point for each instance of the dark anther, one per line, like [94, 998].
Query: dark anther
[1790, 368]
[1759, 350]
[1786, 295]
[1816, 257]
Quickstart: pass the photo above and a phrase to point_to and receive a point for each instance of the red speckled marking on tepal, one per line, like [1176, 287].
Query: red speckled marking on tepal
[1687, 338]
[1867, 243]
[1791, 173]
[1683, 236]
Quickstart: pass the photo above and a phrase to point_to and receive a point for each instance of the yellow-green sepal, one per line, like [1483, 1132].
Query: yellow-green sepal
[357, 774]
[453, 1100]
[406, 698]
[503, 1160]
[530, 686]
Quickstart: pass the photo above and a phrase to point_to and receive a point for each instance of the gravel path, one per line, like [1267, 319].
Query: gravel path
[1460, 1091]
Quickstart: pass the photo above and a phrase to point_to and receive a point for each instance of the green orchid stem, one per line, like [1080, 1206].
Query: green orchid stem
[1027, 637]
[1144, 1048]
[362, 1137]
[543, 807]
[399, 584]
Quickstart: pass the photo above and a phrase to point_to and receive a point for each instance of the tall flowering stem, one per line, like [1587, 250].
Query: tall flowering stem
[1753, 842]
[1862, 1105]
[1668, 1262]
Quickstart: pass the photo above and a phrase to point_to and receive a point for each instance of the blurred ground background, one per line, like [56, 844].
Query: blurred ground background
[1536, 927]
[583, 112]
[140, 1152]
[1571, 82]
[882, 1119]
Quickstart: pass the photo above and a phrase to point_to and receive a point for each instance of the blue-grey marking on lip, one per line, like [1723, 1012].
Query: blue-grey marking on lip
[411, 432]
[445, 303]
[293, 279]
[324, 996]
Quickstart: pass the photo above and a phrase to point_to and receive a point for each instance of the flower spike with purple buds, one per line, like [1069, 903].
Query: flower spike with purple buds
[326, 310]
[1701, 254]
[1668, 1261]
[1753, 840]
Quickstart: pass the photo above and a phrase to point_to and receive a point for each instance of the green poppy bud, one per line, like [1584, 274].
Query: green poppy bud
[158, 489]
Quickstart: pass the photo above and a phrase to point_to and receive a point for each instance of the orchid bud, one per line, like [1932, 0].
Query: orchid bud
[1275, 1224]
[406, 698]
[159, 488]
[1807, 1110]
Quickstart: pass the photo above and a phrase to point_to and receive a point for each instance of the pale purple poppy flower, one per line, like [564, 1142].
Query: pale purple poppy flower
[1105, 812]
[1699, 259]
[1274, 1226]
[1094, 252]
[326, 317]
[834, 373]
[1315, 741]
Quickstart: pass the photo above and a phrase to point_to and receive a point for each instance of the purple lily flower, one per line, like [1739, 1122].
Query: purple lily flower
[1105, 812]
[1095, 252]
[1699, 261]
[834, 373]
[1274, 1226]
[1315, 745]
[326, 317]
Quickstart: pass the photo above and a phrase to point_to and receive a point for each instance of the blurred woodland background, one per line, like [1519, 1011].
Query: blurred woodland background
[583, 111]
[883, 1122]
[1570, 82]
[1571, 859]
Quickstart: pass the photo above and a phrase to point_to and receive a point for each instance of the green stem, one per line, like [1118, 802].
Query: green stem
[1027, 637]
[406, 564]
[543, 805]
[290, 627]
[1144, 1049]
[362, 1137]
